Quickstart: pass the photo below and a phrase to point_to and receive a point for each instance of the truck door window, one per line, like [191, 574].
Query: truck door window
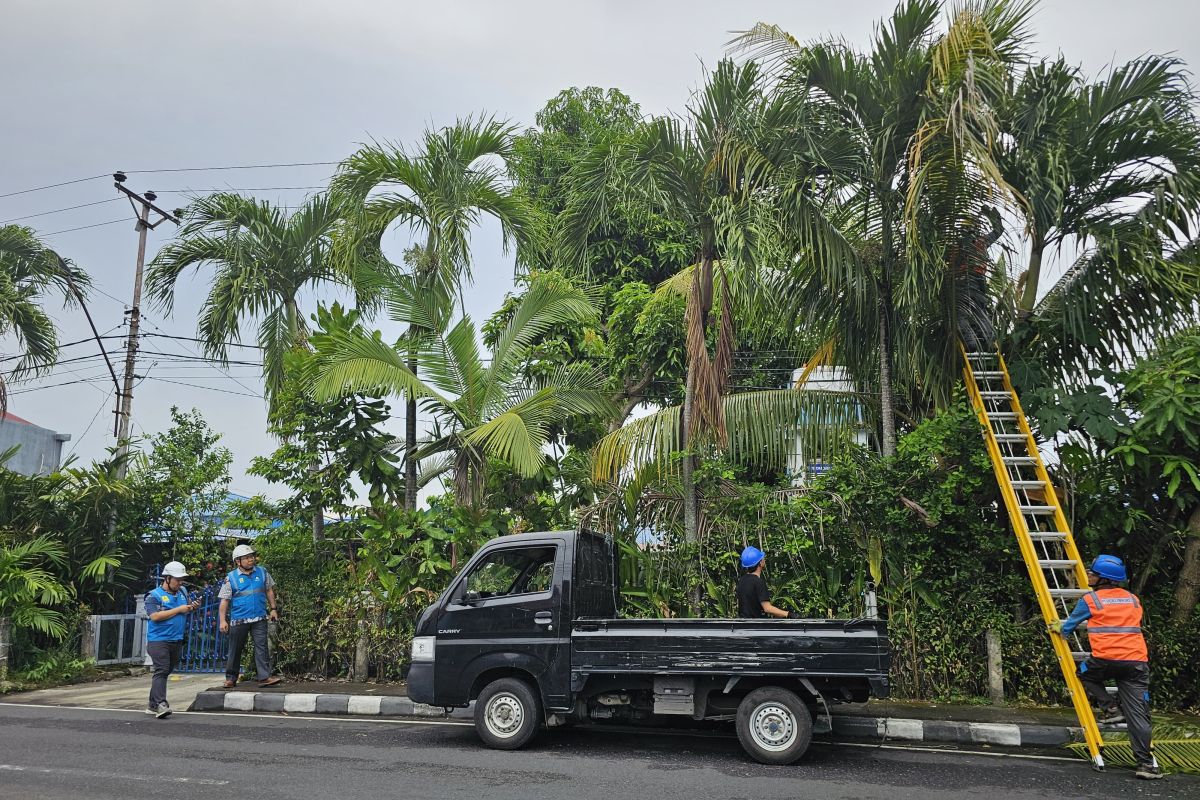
[508, 572]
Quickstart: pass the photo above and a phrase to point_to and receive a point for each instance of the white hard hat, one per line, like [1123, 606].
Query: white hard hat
[242, 550]
[174, 569]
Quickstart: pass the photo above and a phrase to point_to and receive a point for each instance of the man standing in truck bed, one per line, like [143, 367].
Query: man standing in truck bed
[754, 601]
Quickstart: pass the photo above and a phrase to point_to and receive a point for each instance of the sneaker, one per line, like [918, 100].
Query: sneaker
[163, 710]
[1112, 716]
[1149, 773]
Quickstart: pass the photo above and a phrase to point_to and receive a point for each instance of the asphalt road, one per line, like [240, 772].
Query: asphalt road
[59, 753]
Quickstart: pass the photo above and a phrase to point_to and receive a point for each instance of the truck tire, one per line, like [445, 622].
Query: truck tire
[774, 726]
[507, 714]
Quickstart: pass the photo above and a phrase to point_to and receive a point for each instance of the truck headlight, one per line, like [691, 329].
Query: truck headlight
[422, 648]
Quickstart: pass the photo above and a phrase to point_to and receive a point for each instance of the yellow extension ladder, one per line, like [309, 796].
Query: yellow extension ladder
[1055, 567]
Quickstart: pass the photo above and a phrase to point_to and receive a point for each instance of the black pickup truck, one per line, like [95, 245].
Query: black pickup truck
[529, 631]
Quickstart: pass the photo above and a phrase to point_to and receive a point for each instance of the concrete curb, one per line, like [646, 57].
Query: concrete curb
[303, 703]
[927, 730]
[872, 728]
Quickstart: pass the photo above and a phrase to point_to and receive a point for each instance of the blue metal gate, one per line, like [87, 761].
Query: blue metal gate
[204, 646]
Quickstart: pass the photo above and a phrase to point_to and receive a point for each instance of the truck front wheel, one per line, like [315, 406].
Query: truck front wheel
[507, 714]
[774, 725]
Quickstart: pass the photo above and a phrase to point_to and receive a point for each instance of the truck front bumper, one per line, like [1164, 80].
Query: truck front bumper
[420, 682]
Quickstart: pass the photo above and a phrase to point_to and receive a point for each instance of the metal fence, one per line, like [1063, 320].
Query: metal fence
[204, 646]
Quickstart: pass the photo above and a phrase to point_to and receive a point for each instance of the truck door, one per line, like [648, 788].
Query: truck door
[508, 611]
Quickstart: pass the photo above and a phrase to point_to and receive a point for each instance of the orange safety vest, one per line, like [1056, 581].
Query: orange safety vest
[1115, 628]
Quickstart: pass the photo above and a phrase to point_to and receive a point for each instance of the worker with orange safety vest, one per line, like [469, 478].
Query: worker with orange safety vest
[1114, 628]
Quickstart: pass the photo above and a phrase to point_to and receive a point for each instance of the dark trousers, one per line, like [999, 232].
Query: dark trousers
[237, 643]
[164, 656]
[1133, 694]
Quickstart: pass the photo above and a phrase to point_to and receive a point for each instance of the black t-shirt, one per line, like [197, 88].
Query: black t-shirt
[751, 594]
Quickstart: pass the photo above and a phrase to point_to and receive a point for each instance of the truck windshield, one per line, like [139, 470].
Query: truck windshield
[515, 571]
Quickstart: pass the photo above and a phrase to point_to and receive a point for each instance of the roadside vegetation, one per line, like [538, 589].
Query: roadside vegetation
[678, 280]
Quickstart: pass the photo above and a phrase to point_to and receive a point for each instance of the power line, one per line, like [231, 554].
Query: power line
[238, 166]
[55, 385]
[52, 186]
[60, 210]
[85, 227]
[88, 429]
[232, 189]
[209, 388]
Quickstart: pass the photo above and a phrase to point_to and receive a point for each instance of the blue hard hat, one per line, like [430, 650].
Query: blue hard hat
[751, 556]
[1109, 567]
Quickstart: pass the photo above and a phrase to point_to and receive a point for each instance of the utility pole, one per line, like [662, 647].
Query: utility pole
[142, 206]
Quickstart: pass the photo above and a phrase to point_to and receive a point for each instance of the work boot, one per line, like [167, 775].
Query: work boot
[163, 710]
[1148, 772]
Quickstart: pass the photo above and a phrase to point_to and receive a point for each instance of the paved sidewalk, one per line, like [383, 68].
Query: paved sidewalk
[132, 692]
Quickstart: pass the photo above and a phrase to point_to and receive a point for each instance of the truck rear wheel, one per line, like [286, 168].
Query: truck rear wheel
[774, 725]
[507, 714]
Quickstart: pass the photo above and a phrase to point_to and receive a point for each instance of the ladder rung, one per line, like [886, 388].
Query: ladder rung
[1080, 655]
[1068, 593]
[1037, 509]
[1048, 536]
[1011, 437]
[1020, 460]
[999, 395]
[1001, 415]
[1028, 484]
[1057, 563]
[989, 374]
[981, 355]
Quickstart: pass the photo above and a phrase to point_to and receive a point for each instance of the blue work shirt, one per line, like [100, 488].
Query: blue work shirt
[168, 630]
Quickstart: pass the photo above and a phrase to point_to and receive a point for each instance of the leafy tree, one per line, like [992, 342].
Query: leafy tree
[344, 435]
[28, 272]
[440, 193]
[1162, 447]
[179, 487]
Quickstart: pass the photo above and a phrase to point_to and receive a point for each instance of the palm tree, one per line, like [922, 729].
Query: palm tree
[1109, 169]
[439, 194]
[28, 271]
[701, 171]
[484, 407]
[915, 160]
[262, 259]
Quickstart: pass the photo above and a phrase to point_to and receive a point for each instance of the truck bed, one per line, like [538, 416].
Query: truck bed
[808, 647]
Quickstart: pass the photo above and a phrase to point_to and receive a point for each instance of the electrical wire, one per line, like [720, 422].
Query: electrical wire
[237, 166]
[209, 388]
[87, 430]
[85, 227]
[60, 210]
[52, 186]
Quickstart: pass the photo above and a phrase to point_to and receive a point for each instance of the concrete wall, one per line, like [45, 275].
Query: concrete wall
[41, 448]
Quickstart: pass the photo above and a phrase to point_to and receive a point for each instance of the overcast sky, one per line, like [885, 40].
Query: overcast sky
[92, 87]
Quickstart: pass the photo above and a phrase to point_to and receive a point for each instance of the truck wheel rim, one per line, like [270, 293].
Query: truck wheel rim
[773, 727]
[504, 715]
